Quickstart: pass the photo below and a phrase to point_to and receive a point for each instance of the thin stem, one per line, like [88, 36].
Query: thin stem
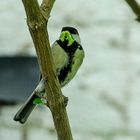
[135, 7]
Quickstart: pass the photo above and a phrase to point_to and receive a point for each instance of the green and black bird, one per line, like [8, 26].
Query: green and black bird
[68, 56]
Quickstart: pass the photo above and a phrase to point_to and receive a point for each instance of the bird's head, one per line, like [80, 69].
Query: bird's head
[69, 35]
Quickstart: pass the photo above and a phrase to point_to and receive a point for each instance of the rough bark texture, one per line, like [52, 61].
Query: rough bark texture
[37, 18]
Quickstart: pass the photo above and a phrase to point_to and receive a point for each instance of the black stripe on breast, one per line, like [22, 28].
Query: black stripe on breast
[70, 50]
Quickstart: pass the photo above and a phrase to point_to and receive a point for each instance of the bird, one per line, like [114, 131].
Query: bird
[68, 55]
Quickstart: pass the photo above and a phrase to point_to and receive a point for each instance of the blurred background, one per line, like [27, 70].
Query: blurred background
[104, 97]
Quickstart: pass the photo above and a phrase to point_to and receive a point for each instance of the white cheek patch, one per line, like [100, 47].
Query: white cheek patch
[76, 38]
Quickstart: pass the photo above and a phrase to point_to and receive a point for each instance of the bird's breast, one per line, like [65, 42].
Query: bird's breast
[60, 57]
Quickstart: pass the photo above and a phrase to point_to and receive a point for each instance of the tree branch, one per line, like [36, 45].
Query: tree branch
[46, 7]
[37, 18]
[135, 7]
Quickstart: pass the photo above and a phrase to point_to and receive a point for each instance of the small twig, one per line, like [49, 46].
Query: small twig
[46, 7]
[135, 7]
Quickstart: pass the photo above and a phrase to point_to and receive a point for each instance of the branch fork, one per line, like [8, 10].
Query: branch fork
[37, 19]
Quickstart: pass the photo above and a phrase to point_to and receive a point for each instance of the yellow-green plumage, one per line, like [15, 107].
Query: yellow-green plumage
[68, 56]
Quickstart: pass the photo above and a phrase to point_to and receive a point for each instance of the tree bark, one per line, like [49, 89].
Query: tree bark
[37, 18]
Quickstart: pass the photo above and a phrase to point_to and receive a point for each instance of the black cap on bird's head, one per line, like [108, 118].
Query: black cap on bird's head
[69, 35]
[72, 30]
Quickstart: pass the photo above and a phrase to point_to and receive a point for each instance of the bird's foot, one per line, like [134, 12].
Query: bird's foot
[45, 79]
[47, 104]
[66, 99]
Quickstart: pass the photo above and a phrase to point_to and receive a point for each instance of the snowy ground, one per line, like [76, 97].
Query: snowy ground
[104, 97]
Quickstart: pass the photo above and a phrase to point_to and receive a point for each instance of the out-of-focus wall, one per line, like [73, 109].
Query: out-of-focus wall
[104, 97]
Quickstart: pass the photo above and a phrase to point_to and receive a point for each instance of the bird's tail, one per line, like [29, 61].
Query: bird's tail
[24, 112]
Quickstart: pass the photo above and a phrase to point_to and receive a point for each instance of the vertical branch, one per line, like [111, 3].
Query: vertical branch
[135, 7]
[46, 7]
[37, 18]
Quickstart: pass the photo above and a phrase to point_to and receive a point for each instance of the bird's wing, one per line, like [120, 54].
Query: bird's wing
[76, 63]
[78, 59]
[60, 57]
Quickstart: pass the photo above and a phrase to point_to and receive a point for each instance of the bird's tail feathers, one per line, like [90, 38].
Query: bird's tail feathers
[24, 112]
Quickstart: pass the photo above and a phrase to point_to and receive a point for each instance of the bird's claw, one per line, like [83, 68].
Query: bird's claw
[47, 104]
[45, 79]
[66, 99]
